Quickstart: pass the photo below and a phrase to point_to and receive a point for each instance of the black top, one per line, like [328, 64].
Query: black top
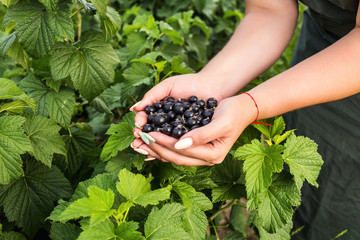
[335, 16]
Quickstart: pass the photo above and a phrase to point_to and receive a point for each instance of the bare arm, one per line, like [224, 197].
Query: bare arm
[329, 75]
[257, 43]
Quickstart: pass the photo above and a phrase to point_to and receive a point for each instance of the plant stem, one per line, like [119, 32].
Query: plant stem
[78, 10]
[166, 76]
[222, 210]
[79, 25]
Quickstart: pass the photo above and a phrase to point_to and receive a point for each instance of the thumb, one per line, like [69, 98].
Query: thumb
[158, 92]
[201, 135]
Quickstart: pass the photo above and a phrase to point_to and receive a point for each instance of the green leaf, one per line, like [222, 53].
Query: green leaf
[6, 43]
[185, 191]
[58, 105]
[178, 66]
[281, 234]
[147, 24]
[148, 58]
[100, 104]
[139, 73]
[285, 182]
[13, 142]
[35, 27]
[136, 188]
[127, 230]
[195, 224]
[275, 210]
[303, 159]
[77, 144]
[9, 90]
[167, 29]
[64, 231]
[260, 163]
[64, 24]
[90, 65]
[18, 54]
[97, 206]
[121, 136]
[238, 220]
[103, 181]
[202, 25]
[104, 230]
[111, 22]
[125, 159]
[166, 223]
[45, 139]
[50, 4]
[200, 201]
[12, 236]
[7, 3]
[100, 6]
[229, 180]
[30, 199]
[235, 235]
[200, 179]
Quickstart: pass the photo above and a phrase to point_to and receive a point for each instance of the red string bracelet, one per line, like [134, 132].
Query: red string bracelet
[257, 110]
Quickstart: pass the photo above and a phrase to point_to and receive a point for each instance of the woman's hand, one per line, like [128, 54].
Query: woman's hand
[207, 145]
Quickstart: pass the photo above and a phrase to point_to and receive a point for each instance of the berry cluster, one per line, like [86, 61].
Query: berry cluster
[176, 117]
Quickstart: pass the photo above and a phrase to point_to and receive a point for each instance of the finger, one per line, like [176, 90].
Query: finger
[209, 151]
[216, 129]
[177, 158]
[141, 118]
[158, 92]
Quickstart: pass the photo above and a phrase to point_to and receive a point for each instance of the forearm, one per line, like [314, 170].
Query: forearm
[329, 75]
[257, 43]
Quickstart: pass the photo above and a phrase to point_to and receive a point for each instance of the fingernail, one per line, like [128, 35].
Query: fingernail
[137, 125]
[141, 151]
[134, 106]
[131, 145]
[184, 143]
[149, 159]
[149, 137]
[136, 134]
[144, 138]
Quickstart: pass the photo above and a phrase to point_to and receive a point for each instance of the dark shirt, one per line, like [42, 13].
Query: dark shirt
[337, 17]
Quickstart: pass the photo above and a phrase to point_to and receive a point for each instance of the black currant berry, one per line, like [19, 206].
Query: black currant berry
[171, 115]
[158, 105]
[150, 118]
[208, 113]
[177, 132]
[167, 129]
[211, 105]
[205, 121]
[191, 122]
[159, 120]
[193, 99]
[170, 99]
[188, 113]
[150, 109]
[200, 103]
[147, 128]
[168, 107]
[179, 108]
[195, 107]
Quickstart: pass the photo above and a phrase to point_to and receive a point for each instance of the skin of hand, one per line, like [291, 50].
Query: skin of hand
[210, 143]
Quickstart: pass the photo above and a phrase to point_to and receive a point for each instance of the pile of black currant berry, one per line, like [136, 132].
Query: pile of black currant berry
[175, 117]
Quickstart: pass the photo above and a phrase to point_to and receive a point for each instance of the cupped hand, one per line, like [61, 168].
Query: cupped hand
[207, 145]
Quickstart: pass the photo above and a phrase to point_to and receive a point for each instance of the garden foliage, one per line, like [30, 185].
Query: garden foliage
[69, 72]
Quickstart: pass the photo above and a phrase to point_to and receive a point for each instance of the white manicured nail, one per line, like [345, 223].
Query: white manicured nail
[141, 151]
[144, 138]
[137, 125]
[134, 106]
[184, 143]
[149, 159]
[149, 137]
[131, 145]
